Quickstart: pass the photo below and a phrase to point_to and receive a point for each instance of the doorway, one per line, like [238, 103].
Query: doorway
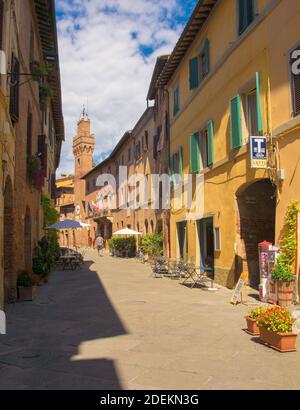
[27, 240]
[182, 239]
[256, 213]
[207, 252]
[8, 236]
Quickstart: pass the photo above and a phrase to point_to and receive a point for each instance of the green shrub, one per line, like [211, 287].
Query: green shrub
[47, 250]
[282, 272]
[46, 254]
[152, 244]
[123, 245]
[27, 279]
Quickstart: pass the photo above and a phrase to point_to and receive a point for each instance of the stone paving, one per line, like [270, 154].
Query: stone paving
[113, 326]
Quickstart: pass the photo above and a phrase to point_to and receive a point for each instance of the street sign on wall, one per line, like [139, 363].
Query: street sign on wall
[258, 151]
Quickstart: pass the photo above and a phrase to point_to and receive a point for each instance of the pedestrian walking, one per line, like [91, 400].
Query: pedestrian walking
[99, 244]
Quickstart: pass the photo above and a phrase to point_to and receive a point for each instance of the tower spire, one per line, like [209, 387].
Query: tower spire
[84, 114]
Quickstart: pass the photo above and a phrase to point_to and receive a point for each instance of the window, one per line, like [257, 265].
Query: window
[235, 122]
[14, 89]
[31, 47]
[217, 237]
[251, 116]
[138, 150]
[50, 131]
[156, 139]
[176, 100]
[146, 140]
[176, 162]
[204, 148]
[29, 134]
[199, 66]
[245, 14]
[43, 152]
[295, 78]
[207, 145]
[194, 73]
[194, 153]
[252, 121]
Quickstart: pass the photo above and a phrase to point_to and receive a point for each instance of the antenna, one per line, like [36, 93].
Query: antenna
[87, 106]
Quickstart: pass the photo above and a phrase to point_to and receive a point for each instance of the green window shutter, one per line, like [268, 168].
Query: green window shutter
[176, 101]
[206, 54]
[194, 153]
[259, 112]
[180, 160]
[245, 13]
[235, 122]
[194, 73]
[210, 143]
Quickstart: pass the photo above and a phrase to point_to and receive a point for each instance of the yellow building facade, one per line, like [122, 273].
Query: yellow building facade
[230, 77]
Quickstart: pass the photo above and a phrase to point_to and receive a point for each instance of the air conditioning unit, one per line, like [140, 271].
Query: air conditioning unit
[3, 70]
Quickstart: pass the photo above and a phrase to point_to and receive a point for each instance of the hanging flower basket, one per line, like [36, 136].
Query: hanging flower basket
[35, 173]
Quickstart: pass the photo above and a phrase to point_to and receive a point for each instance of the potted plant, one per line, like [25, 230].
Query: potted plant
[251, 319]
[276, 329]
[27, 283]
[285, 281]
[152, 245]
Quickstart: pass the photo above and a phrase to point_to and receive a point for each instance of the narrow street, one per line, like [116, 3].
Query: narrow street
[113, 326]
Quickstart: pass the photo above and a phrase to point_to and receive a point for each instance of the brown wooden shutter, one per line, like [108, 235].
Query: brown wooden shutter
[14, 89]
[29, 135]
[296, 90]
[53, 186]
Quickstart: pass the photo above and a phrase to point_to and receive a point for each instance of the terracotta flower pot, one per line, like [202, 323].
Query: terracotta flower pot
[283, 342]
[27, 294]
[252, 326]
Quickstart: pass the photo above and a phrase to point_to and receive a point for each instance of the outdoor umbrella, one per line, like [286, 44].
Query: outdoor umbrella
[66, 224]
[127, 231]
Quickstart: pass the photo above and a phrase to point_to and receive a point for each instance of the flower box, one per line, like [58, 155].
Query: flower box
[27, 294]
[252, 326]
[282, 342]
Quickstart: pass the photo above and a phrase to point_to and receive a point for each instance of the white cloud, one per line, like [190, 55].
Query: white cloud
[101, 61]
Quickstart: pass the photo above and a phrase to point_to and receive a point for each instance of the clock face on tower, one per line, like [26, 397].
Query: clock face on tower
[77, 210]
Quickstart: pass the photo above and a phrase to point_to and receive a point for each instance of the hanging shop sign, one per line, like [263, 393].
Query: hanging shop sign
[258, 151]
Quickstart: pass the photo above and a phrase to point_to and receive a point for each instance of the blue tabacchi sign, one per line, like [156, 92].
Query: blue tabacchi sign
[258, 148]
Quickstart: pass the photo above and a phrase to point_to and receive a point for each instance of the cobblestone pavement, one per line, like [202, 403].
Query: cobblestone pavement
[113, 326]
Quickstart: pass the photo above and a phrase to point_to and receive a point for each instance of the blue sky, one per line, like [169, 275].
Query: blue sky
[108, 49]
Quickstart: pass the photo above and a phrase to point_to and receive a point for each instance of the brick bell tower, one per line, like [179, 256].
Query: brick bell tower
[83, 150]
